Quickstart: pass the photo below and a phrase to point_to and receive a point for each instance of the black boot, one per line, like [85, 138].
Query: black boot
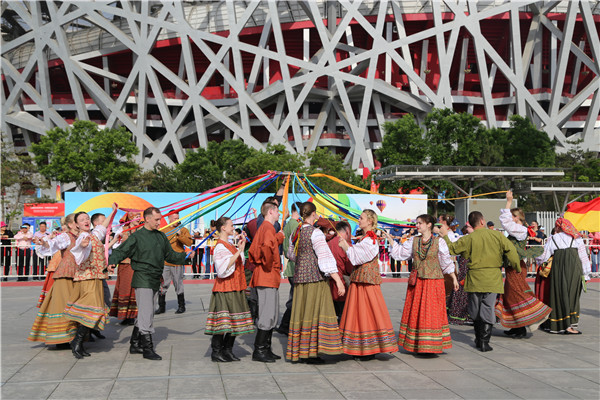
[162, 304]
[97, 333]
[253, 305]
[148, 347]
[134, 342]
[520, 333]
[477, 329]
[486, 334]
[181, 303]
[284, 326]
[261, 347]
[77, 342]
[228, 341]
[217, 354]
[269, 338]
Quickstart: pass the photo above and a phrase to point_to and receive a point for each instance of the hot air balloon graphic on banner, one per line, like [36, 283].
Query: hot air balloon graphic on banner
[381, 205]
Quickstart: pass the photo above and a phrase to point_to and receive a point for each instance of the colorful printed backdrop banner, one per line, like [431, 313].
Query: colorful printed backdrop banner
[242, 207]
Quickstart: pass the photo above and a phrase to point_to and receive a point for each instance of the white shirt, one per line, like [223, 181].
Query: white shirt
[82, 253]
[327, 263]
[404, 251]
[513, 229]
[363, 252]
[563, 241]
[452, 236]
[222, 256]
[60, 242]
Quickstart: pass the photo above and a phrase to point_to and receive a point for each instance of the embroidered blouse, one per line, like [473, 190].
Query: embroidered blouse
[404, 251]
[82, 253]
[222, 256]
[515, 230]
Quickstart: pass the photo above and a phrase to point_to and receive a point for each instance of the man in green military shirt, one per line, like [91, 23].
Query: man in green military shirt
[148, 249]
[486, 249]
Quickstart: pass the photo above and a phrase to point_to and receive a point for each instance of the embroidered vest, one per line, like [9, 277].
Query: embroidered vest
[368, 272]
[429, 268]
[307, 263]
[95, 265]
[526, 252]
[234, 282]
[67, 265]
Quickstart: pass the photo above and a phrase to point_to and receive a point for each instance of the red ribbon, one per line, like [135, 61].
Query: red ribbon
[372, 235]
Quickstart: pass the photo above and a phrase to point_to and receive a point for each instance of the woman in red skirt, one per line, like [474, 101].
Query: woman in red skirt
[123, 305]
[518, 308]
[366, 326]
[424, 327]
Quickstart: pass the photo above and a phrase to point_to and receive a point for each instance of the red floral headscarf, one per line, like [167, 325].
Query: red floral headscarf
[564, 225]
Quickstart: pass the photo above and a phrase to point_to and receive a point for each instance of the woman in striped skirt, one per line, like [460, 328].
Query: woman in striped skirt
[313, 324]
[228, 314]
[424, 326]
[366, 326]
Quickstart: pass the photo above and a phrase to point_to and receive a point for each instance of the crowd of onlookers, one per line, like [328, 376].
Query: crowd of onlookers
[18, 258]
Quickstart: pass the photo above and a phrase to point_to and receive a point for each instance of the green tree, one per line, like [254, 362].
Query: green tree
[20, 178]
[323, 161]
[527, 146]
[403, 143]
[579, 165]
[460, 139]
[91, 158]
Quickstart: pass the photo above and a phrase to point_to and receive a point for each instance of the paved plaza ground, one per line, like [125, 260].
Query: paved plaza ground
[543, 366]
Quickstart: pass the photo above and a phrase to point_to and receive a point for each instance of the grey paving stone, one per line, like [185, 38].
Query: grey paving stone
[96, 389]
[421, 363]
[507, 378]
[399, 381]
[196, 388]
[585, 393]
[372, 395]
[462, 379]
[590, 374]
[33, 372]
[348, 365]
[561, 379]
[483, 393]
[313, 395]
[292, 368]
[389, 363]
[248, 385]
[541, 393]
[362, 381]
[308, 383]
[139, 389]
[27, 390]
[193, 367]
[429, 394]
[142, 368]
[246, 366]
[257, 396]
[94, 370]
[8, 370]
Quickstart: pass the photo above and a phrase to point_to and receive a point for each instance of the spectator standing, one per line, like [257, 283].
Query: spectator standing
[39, 263]
[6, 241]
[595, 251]
[23, 242]
[396, 234]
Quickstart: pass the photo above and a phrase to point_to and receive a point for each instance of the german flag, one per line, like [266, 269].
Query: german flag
[585, 216]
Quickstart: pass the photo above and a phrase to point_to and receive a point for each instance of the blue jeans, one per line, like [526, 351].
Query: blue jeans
[595, 261]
